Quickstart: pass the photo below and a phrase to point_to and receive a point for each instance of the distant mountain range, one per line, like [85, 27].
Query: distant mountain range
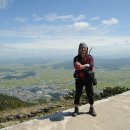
[99, 63]
[68, 63]
[112, 63]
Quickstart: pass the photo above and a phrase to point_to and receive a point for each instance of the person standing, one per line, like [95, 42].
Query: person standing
[83, 63]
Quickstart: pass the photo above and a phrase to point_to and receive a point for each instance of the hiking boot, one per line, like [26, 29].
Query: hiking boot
[92, 111]
[76, 111]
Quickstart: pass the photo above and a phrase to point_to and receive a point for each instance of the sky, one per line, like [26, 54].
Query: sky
[28, 26]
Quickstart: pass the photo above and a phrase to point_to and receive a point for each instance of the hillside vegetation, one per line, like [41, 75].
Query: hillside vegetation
[8, 102]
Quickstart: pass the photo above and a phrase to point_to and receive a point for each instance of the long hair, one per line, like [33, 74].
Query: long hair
[82, 44]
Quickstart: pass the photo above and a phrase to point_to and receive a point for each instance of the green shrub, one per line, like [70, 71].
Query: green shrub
[108, 91]
[8, 102]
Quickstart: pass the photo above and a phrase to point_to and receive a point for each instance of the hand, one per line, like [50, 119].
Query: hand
[87, 65]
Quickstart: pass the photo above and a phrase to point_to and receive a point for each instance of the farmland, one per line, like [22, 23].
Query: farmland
[12, 76]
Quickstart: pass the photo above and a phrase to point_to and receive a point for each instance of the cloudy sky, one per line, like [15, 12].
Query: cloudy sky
[63, 24]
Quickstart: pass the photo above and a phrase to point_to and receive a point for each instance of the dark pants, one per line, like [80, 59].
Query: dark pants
[79, 84]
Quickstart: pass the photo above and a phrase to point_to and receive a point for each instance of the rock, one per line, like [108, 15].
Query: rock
[21, 116]
[46, 110]
[30, 115]
[10, 117]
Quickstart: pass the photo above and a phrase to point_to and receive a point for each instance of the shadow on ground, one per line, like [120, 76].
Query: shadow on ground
[60, 116]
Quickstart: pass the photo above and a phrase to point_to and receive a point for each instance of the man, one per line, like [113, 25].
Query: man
[83, 63]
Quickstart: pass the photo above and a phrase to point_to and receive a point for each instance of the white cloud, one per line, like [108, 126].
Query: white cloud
[5, 3]
[3, 46]
[78, 18]
[44, 31]
[54, 17]
[20, 19]
[103, 46]
[95, 18]
[81, 25]
[102, 42]
[111, 21]
[31, 31]
[37, 18]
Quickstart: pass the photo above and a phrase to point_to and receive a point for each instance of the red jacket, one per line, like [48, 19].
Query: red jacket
[86, 60]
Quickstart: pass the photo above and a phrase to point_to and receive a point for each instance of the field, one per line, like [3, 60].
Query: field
[20, 75]
[112, 78]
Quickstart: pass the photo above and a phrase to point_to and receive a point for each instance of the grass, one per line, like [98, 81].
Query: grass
[39, 74]
[8, 102]
[43, 75]
[112, 78]
[60, 106]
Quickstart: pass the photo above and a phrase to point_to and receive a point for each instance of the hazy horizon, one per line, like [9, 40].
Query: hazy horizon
[55, 54]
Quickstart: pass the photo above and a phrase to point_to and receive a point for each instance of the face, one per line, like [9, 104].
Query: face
[83, 50]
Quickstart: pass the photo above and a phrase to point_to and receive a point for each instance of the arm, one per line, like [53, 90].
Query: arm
[79, 66]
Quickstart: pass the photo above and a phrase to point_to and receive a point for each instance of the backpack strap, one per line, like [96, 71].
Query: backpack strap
[91, 59]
